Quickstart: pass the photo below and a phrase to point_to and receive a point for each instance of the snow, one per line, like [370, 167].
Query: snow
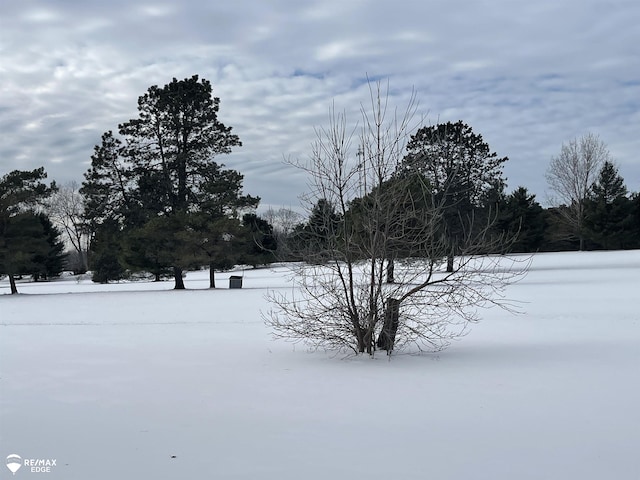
[113, 381]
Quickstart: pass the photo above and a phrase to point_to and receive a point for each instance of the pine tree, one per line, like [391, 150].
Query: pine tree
[465, 176]
[22, 235]
[50, 262]
[608, 210]
[105, 259]
[523, 217]
[162, 173]
[260, 243]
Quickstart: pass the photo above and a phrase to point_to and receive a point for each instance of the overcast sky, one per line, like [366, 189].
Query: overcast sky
[528, 76]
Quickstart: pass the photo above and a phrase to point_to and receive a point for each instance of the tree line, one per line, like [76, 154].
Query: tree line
[156, 200]
[592, 207]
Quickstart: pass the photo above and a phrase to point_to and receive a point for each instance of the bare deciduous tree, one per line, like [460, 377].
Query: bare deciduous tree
[570, 175]
[377, 213]
[66, 208]
[284, 221]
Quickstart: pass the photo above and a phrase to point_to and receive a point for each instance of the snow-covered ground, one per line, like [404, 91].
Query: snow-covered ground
[136, 381]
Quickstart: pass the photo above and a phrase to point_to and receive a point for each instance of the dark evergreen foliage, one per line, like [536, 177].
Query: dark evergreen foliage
[50, 263]
[464, 175]
[22, 236]
[260, 243]
[159, 182]
[522, 217]
[105, 261]
[608, 211]
[314, 238]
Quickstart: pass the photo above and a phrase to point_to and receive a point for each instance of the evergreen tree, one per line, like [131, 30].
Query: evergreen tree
[51, 262]
[171, 144]
[465, 176]
[260, 243]
[559, 235]
[163, 173]
[217, 243]
[609, 185]
[315, 237]
[105, 259]
[22, 235]
[24, 246]
[608, 211]
[523, 217]
[107, 186]
[374, 216]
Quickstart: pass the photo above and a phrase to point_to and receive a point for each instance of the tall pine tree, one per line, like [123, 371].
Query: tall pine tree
[464, 175]
[162, 172]
[608, 210]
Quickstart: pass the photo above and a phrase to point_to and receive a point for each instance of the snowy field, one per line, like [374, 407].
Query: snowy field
[136, 381]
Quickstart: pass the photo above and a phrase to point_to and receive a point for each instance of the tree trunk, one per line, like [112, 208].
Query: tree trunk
[177, 274]
[390, 268]
[360, 339]
[450, 263]
[368, 340]
[364, 337]
[12, 282]
[387, 336]
[212, 276]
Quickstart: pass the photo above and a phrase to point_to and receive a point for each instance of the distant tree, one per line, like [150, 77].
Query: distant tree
[284, 221]
[21, 192]
[31, 245]
[24, 247]
[106, 255]
[570, 176]
[65, 208]
[320, 231]
[608, 211]
[50, 262]
[218, 222]
[609, 185]
[260, 244]
[407, 191]
[558, 235]
[463, 173]
[522, 216]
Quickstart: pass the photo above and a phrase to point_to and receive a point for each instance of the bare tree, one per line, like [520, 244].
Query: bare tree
[284, 221]
[377, 213]
[570, 175]
[66, 210]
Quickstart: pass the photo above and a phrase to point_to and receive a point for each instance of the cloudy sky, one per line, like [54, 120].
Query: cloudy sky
[528, 76]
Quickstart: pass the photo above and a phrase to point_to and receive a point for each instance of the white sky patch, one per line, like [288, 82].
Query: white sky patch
[156, 10]
[41, 15]
[33, 125]
[337, 49]
[470, 66]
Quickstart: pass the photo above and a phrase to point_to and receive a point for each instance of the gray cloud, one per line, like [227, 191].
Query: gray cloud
[528, 77]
